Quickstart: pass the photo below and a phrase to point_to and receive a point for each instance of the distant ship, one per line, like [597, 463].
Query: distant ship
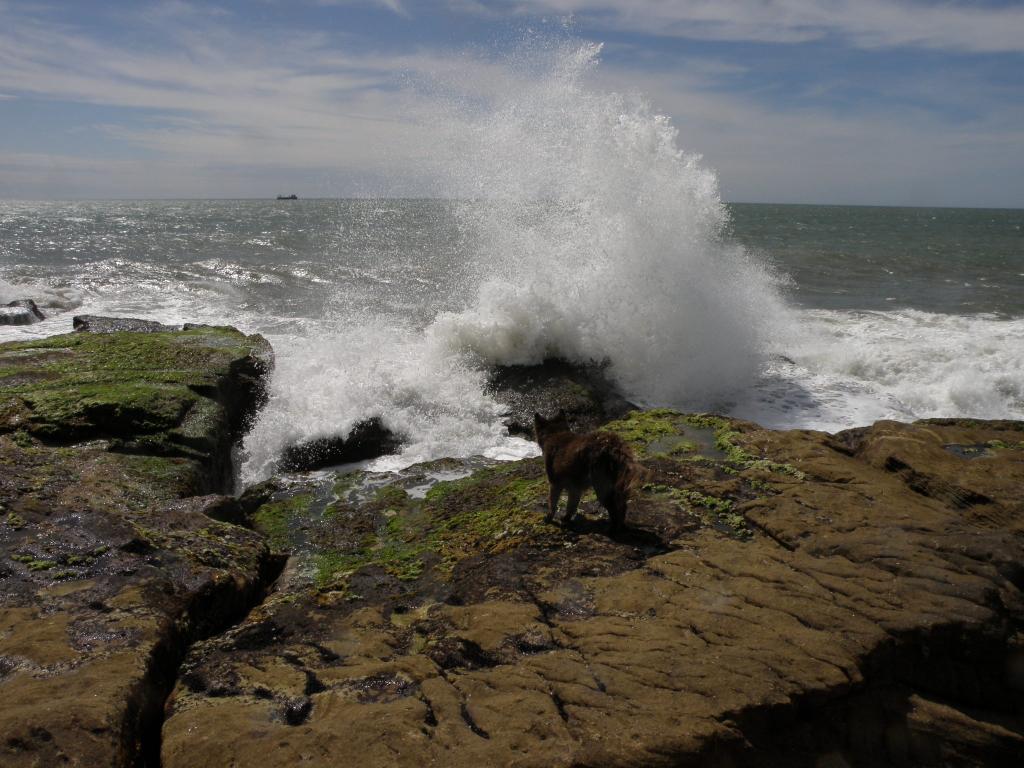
[287, 197]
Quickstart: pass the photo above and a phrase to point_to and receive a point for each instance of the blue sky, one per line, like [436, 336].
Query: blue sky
[833, 101]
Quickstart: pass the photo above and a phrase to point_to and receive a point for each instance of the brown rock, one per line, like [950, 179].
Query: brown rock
[110, 565]
[781, 598]
[100, 324]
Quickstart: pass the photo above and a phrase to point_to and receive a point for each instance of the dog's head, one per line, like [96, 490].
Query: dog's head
[543, 427]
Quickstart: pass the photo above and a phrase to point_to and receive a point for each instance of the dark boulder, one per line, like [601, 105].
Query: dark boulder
[21, 312]
[367, 440]
[99, 324]
[584, 392]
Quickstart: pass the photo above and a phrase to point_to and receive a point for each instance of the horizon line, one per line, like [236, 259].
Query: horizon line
[354, 198]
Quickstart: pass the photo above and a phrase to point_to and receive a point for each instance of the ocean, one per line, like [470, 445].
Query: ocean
[569, 223]
[389, 308]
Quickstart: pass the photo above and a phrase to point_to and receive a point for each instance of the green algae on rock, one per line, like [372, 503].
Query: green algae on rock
[79, 386]
[363, 522]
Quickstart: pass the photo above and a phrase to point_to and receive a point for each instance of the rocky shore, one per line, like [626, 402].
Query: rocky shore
[780, 598]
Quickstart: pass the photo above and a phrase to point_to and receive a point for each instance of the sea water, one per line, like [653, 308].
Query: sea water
[574, 224]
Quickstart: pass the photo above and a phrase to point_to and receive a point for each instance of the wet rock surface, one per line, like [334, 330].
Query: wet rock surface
[584, 392]
[781, 598]
[101, 324]
[367, 440]
[21, 312]
[112, 556]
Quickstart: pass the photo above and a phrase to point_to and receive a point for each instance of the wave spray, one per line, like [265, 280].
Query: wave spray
[597, 238]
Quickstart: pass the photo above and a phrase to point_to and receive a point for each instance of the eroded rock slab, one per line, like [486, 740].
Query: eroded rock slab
[782, 598]
[110, 562]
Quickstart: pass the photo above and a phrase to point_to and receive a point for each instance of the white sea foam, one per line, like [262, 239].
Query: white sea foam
[930, 364]
[54, 302]
[323, 386]
[848, 369]
[45, 296]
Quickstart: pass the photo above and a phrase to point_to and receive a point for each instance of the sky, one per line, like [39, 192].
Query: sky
[876, 102]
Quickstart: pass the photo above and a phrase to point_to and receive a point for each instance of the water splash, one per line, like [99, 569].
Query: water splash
[597, 238]
[330, 383]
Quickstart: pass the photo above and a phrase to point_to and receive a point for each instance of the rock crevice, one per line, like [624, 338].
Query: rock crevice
[113, 560]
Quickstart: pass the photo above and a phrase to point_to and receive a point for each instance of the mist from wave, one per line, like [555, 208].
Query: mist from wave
[598, 238]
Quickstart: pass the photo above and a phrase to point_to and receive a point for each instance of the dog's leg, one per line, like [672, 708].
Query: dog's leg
[553, 496]
[571, 504]
[617, 513]
[615, 503]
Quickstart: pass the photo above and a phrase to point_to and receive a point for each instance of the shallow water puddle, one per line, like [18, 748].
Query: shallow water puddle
[691, 441]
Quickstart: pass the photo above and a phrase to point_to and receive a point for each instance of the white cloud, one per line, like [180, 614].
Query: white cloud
[957, 26]
[395, 6]
[222, 104]
[220, 112]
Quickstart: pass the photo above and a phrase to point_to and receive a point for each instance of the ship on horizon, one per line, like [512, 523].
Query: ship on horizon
[287, 197]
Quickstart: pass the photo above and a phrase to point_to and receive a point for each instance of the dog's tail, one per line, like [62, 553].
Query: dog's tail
[620, 463]
[638, 475]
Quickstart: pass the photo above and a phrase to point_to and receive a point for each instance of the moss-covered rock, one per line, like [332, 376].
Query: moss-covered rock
[180, 394]
[372, 536]
[84, 385]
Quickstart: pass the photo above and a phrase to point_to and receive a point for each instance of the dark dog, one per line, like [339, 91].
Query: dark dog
[601, 460]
